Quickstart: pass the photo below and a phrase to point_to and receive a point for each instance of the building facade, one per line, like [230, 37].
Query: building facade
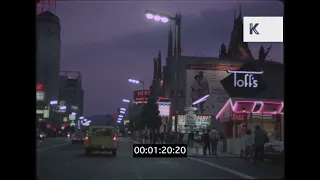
[48, 54]
[71, 95]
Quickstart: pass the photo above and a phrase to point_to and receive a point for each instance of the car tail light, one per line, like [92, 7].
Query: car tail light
[86, 138]
[115, 139]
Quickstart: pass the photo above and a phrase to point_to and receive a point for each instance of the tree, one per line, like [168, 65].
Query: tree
[150, 115]
[134, 123]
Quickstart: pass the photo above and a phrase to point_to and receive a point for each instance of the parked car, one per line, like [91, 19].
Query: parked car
[274, 150]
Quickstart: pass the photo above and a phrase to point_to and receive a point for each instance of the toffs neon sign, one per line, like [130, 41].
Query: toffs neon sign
[248, 80]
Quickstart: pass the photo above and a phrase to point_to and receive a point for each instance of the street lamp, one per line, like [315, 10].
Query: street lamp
[134, 81]
[177, 20]
[126, 100]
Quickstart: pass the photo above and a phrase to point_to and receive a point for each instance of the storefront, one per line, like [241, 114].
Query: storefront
[203, 122]
[256, 98]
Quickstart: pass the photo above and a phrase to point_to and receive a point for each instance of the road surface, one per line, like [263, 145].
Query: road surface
[66, 162]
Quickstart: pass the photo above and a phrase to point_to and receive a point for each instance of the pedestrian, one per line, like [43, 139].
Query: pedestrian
[146, 138]
[161, 137]
[206, 142]
[214, 139]
[248, 141]
[197, 141]
[260, 138]
[191, 139]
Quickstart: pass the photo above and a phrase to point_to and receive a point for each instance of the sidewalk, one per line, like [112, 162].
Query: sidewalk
[192, 153]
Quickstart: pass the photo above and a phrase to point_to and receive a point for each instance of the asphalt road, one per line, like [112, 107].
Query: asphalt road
[68, 162]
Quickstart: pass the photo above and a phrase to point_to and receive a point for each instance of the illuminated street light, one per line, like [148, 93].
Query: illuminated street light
[135, 81]
[123, 109]
[120, 116]
[81, 117]
[177, 20]
[122, 112]
[157, 16]
[119, 119]
[204, 98]
[125, 100]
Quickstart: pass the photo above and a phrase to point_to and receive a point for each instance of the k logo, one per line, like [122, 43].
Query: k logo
[246, 82]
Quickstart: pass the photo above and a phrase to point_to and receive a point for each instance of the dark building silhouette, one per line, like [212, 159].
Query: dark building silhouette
[237, 49]
[71, 92]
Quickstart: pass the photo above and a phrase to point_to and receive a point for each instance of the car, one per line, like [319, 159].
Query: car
[77, 138]
[41, 136]
[274, 151]
[101, 139]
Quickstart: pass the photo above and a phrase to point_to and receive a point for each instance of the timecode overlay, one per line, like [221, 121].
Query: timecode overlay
[160, 150]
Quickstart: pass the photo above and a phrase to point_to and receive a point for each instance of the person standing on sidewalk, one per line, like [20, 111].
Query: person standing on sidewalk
[197, 141]
[248, 141]
[161, 137]
[206, 142]
[214, 139]
[260, 138]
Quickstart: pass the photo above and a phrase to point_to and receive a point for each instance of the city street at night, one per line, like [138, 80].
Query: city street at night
[68, 162]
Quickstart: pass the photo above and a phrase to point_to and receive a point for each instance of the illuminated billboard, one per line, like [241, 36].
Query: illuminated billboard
[39, 95]
[141, 96]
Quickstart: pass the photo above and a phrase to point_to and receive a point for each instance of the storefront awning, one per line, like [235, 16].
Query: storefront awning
[251, 106]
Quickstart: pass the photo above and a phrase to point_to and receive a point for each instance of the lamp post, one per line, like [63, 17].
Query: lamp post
[134, 81]
[164, 18]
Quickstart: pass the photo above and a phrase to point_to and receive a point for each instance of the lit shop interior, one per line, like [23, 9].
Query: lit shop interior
[238, 115]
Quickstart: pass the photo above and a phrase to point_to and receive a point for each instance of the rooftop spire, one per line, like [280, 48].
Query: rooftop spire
[170, 48]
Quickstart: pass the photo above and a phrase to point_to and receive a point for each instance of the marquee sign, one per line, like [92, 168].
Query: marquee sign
[141, 96]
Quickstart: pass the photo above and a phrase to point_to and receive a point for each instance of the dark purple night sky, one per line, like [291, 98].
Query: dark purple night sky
[111, 41]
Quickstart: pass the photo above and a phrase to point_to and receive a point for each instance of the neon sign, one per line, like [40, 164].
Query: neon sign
[248, 80]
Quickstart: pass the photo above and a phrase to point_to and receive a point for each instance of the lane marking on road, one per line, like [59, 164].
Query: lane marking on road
[52, 147]
[240, 174]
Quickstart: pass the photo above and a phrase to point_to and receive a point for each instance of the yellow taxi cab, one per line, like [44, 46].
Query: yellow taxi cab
[101, 139]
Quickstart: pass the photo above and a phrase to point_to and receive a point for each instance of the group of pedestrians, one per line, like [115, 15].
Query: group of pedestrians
[254, 144]
[208, 140]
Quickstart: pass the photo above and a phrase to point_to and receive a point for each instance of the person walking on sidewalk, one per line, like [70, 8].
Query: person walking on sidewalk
[161, 137]
[206, 142]
[197, 141]
[214, 139]
[260, 138]
[248, 141]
